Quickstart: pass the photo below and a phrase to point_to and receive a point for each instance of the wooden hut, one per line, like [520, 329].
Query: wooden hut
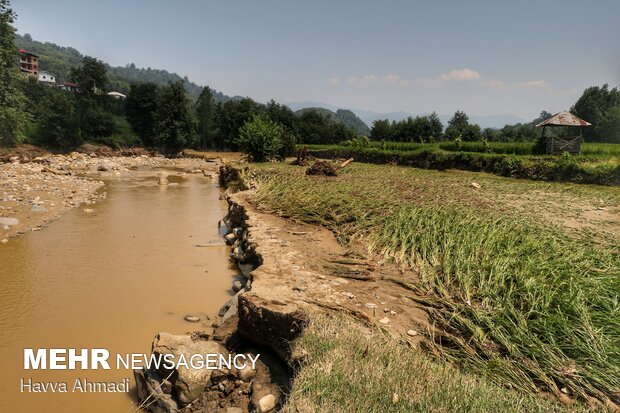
[555, 142]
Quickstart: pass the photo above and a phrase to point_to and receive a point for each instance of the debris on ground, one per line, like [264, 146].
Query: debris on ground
[302, 157]
[322, 168]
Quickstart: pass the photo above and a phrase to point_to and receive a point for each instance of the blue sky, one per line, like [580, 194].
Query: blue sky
[484, 57]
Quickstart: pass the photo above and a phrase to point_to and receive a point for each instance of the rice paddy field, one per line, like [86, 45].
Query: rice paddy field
[598, 163]
[520, 278]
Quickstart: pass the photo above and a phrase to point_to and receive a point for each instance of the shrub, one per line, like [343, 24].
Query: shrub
[261, 139]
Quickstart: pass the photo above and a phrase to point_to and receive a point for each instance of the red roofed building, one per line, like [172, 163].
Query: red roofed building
[29, 63]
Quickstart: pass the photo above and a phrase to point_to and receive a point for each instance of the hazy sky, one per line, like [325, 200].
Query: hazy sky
[484, 57]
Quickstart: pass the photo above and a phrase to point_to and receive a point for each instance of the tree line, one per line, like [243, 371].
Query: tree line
[599, 105]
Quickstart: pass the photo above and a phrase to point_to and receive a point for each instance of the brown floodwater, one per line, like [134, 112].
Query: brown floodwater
[109, 279]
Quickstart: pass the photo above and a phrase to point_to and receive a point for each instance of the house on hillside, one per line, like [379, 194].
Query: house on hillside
[47, 78]
[68, 86]
[29, 63]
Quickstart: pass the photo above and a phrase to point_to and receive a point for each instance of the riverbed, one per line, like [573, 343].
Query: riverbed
[111, 275]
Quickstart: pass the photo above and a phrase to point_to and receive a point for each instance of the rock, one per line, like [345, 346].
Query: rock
[237, 286]
[247, 373]
[246, 269]
[163, 180]
[370, 305]
[191, 318]
[266, 403]
[384, 320]
[88, 210]
[475, 185]
[8, 221]
[4, 240]
[412, 333]
[230, 238]
[148, 386]
[394, 398]
[188, 383]
[38, 208]
[102, 168]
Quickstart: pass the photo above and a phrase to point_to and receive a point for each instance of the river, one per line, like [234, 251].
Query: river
[110, 279]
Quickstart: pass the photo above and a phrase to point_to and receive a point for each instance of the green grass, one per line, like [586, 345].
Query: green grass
[353, 369]
[597, 164]
[521, 278]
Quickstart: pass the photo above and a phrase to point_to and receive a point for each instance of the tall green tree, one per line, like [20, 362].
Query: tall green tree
[592, 106]
[459, 126]
[436, 127]
[140, 109]
[281, 114]
[608, 126]
[205, 113]
[230, 117]
[381, 130]
[12, 101]
[173, 120]
[91, 78]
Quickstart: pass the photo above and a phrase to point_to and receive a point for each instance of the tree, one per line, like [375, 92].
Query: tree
[12, 101]
[459, 120]
[608, 127]
[459, 127]
[174, 123]
[205, 113]
[140, 108]
[381, 130]
[436, 127]
[544, 115]
[260, 138]
[58, 126]
[281, 114]
[230, 117]
[592, 106]
[91, 79]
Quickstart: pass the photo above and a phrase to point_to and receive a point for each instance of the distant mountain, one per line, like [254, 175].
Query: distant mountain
[368, 117]
[59, 60]
[343, 116]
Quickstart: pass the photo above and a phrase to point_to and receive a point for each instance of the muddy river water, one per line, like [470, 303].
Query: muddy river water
[109, 279]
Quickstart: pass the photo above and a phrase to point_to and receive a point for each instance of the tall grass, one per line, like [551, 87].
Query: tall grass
[522, 302]
[356, 370]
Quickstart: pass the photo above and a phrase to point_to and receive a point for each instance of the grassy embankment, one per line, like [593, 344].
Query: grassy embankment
[522, 278]
[599, 163]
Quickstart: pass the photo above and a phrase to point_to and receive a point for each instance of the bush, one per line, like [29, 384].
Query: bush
[261, 139]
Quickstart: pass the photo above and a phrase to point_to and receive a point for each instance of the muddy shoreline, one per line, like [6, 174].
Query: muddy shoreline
[36, 190]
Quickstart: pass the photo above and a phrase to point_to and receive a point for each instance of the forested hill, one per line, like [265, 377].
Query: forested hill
[59, 60]
[344, 116]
